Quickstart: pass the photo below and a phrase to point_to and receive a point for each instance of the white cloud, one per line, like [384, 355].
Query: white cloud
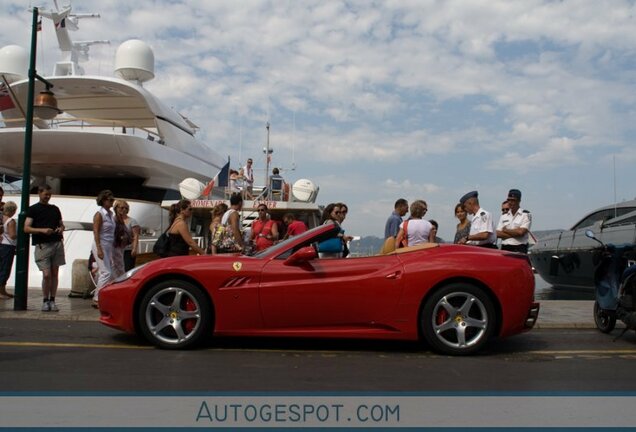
[422, 88]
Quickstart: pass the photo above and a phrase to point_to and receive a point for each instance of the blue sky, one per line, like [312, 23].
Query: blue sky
[377, 100]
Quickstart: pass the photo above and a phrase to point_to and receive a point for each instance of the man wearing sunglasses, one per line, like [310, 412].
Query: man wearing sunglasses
[514, 225]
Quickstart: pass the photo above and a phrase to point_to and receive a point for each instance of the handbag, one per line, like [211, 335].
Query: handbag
[223, 240]
[122, 236]
[162, 245]
[403, 240]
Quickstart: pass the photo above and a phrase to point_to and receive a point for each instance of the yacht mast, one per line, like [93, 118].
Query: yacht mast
[268, 152]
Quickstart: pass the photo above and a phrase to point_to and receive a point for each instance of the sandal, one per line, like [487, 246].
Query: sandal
[95, 304]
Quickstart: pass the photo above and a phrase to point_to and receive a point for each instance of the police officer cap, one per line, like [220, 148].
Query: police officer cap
[514, 193]
[466, 197]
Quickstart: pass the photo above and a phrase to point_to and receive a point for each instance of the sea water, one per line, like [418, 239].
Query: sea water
[544, 291]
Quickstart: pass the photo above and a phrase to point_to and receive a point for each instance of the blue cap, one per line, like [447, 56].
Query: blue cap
[469, 195]
[514, 193]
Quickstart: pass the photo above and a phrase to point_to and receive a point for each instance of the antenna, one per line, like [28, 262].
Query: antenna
[614, 170]
[74, 52]
[267, 152]
[294, 142]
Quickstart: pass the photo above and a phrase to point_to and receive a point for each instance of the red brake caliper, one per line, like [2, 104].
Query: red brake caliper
[188, 324]
[441, 317]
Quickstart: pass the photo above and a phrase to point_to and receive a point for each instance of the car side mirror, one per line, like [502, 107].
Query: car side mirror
[302, 255]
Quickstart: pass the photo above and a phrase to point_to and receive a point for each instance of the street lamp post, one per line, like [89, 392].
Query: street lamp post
[22, 253]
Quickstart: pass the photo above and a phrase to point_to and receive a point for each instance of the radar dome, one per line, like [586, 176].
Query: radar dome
[14, 63]
[191, 188]
[135, 61]
[304, 190]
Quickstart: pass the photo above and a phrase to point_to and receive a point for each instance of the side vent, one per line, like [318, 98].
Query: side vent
[236, 282]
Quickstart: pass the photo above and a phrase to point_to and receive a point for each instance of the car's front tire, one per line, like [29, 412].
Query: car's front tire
[175, 314]
[458, 319]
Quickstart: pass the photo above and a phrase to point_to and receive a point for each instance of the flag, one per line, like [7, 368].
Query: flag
[39, 25]
[220, 179]
[5, 98]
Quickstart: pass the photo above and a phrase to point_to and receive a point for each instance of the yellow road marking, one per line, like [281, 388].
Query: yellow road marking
[582, 352]
[72, 345]
[303, 352]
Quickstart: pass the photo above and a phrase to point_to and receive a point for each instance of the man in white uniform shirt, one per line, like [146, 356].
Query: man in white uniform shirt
[482, 226]
[514, 226]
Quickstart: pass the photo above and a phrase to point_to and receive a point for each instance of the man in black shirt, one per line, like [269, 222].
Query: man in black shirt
[44, 222]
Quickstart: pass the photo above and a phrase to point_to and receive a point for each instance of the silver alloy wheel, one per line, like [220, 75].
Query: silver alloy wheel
[459, 320]
[173, 315]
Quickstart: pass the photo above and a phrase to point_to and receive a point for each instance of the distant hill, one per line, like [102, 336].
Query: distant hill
[369, 245]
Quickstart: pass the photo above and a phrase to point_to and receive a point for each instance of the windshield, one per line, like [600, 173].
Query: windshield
[602, 215]
[279, 247]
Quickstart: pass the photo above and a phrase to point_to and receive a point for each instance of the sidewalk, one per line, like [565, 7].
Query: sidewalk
[71, 309]
[553, 313]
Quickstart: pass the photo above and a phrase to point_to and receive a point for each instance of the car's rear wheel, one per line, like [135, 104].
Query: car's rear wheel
[175, 315]
[605, 321]
[458, 319]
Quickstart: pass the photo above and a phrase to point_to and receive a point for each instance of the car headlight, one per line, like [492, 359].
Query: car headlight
[129, 274]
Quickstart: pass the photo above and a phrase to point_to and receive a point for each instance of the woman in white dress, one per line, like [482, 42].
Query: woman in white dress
[103, 240]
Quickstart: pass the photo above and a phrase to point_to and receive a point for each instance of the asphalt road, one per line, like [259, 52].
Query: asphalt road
[38, 355]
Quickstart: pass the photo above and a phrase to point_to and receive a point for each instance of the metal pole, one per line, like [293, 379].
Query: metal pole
[267, 154]
[22, 254]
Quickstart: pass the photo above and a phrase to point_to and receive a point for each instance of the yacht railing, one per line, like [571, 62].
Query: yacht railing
[90, 123]
[145, 245]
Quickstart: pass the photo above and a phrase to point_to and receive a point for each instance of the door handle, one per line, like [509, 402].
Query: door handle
[393, 275]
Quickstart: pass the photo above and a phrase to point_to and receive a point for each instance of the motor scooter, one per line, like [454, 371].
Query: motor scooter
[615, 286]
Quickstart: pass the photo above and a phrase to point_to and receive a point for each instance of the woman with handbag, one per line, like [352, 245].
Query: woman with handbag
[231, 237]
[334, 246]
[216, 228]
[416, 230]
[180, 239]
[126, 239]
[8, 242]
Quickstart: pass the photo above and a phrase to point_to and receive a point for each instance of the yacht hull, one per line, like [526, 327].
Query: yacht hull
[105, 153]
[569, 259]
[77, 213]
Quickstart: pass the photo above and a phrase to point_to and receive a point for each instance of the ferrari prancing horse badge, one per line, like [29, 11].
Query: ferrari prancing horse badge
[237, 266]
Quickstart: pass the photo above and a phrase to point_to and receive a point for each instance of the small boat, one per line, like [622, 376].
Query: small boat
[299, 199]
[569, 258]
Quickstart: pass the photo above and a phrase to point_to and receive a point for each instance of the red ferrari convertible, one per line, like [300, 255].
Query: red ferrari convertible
[454, 297]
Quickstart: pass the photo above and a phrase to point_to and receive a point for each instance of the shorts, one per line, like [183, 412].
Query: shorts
[49, 255]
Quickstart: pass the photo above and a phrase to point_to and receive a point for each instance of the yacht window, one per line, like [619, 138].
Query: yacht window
[602, 215]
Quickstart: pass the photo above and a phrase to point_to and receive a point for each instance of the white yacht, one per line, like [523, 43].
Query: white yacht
[109, 133]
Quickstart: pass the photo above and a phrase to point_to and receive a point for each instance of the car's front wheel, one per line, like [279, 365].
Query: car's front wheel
[458, 319]
[175, 315]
